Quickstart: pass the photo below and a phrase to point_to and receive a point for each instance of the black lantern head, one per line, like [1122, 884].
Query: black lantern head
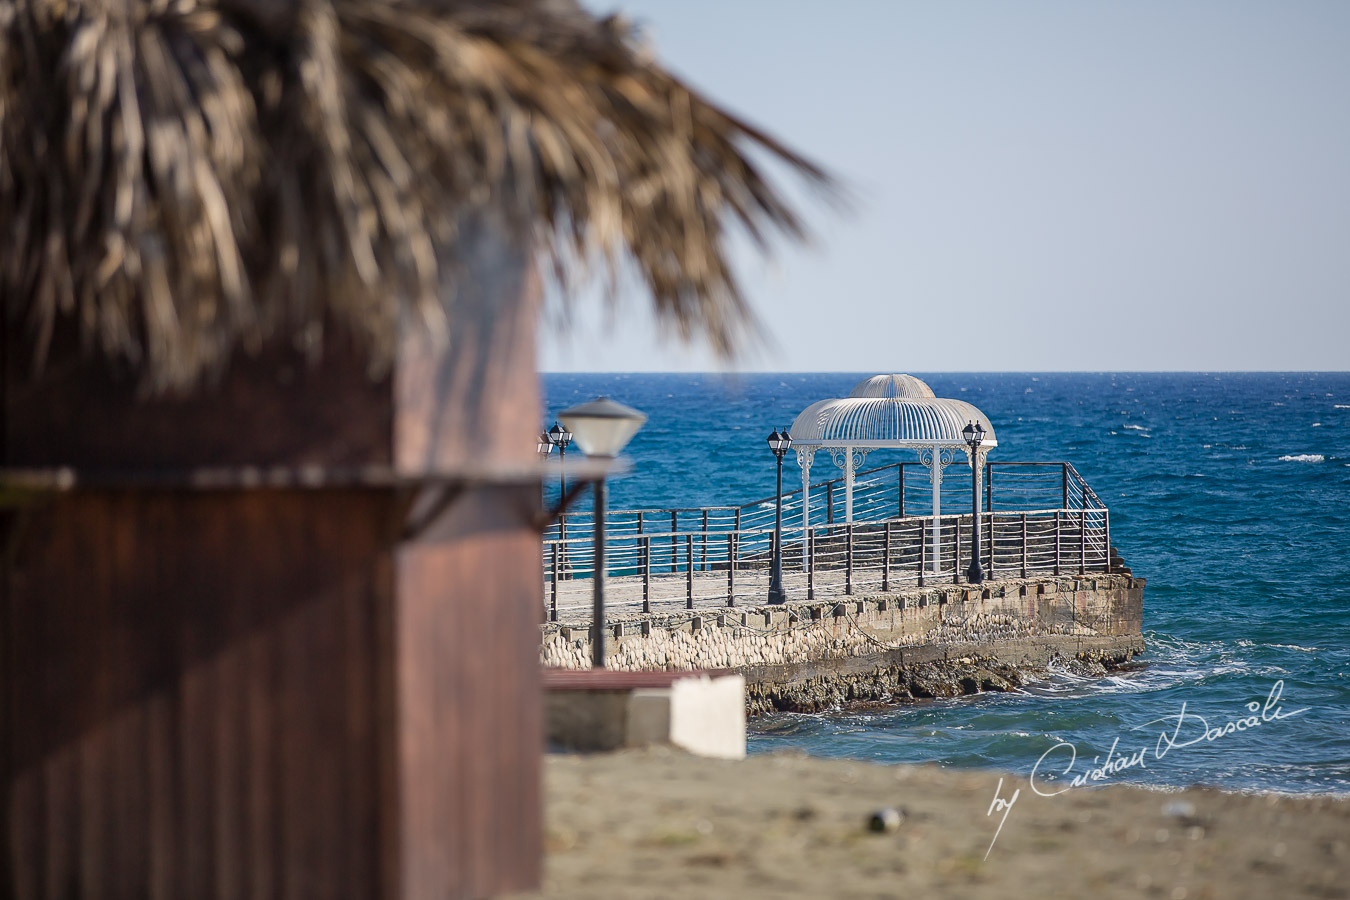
[779, 442]
[545, 444]
[974, 434]
[559, 436]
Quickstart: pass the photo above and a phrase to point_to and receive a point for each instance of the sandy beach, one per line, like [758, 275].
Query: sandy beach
[658, 823]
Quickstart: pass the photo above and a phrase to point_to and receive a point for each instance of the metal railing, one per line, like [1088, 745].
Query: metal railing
[1039, 518]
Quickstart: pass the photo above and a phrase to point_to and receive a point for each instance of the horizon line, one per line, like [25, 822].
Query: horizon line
[952, 372]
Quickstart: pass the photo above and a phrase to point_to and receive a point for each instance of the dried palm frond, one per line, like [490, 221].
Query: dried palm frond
[182, 177]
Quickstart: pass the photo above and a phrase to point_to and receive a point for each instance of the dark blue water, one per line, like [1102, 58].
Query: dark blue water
[1228, 492]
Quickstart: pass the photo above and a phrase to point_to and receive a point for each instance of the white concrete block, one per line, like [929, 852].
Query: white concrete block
[704, 715]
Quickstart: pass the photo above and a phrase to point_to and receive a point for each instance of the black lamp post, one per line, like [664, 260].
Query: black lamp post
[603, 428]
[779, 442]
[560, 437]
[974, 435]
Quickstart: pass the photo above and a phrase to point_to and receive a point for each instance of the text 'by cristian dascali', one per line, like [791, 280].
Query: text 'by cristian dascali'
[1054, 772]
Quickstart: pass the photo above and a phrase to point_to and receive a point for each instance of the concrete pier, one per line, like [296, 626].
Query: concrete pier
[876, 646]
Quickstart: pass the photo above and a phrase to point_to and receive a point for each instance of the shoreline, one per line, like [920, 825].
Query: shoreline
[1005, 772]
[1062, 762]
[939, 672]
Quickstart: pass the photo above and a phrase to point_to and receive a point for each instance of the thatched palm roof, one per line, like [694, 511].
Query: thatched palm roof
[185, 177]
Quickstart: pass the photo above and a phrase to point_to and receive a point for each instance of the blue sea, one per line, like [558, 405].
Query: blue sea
[1228, 492]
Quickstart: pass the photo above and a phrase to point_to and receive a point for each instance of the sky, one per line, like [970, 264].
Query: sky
[1085, 186]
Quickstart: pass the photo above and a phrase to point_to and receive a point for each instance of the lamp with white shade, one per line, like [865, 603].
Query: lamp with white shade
[601, 428]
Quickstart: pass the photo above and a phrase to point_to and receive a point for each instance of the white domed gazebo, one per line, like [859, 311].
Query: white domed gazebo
[887, 412]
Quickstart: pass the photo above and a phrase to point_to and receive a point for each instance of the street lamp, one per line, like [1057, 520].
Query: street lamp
[545, 445]
[779, 442]
[974, 435]
[602, 429]
[560, 437]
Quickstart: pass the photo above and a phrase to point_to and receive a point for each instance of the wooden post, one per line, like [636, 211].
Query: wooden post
[829, 503]
[553, 607]
[731, 567]
[689, 571]
[956, 573]
[1024, 545]
[1057, 541]
[900, 467]
[599, 633]
[923, 543]
[674, 541]
[1082, 541]
[703, 549]
[646, 574]
[848, 558]
[886, 561]
[810, 564]
[562, 536]
[990, 549]
[1064, 485]
[1106, 541]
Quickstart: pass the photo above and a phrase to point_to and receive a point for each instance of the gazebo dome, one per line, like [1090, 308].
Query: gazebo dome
[889, 411]
[892, 386]
[894, 422]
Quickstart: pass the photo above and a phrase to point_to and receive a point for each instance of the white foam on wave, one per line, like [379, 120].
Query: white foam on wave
[1246, 643]
[1304, 457]
[1343, 405]
[1133, 427]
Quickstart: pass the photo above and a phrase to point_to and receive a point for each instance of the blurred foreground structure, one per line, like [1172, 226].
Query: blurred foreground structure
[271, 519]
[278, 639]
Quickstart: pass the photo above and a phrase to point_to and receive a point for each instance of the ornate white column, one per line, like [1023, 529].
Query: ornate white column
[805, 455]
[850, 459]
[848, 484]
[936, 460]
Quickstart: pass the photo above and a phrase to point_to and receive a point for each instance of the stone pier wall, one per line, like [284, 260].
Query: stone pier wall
[918, 642]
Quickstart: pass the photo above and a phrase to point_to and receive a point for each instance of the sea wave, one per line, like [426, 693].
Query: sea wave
[1243, 642]
[1304, 457]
